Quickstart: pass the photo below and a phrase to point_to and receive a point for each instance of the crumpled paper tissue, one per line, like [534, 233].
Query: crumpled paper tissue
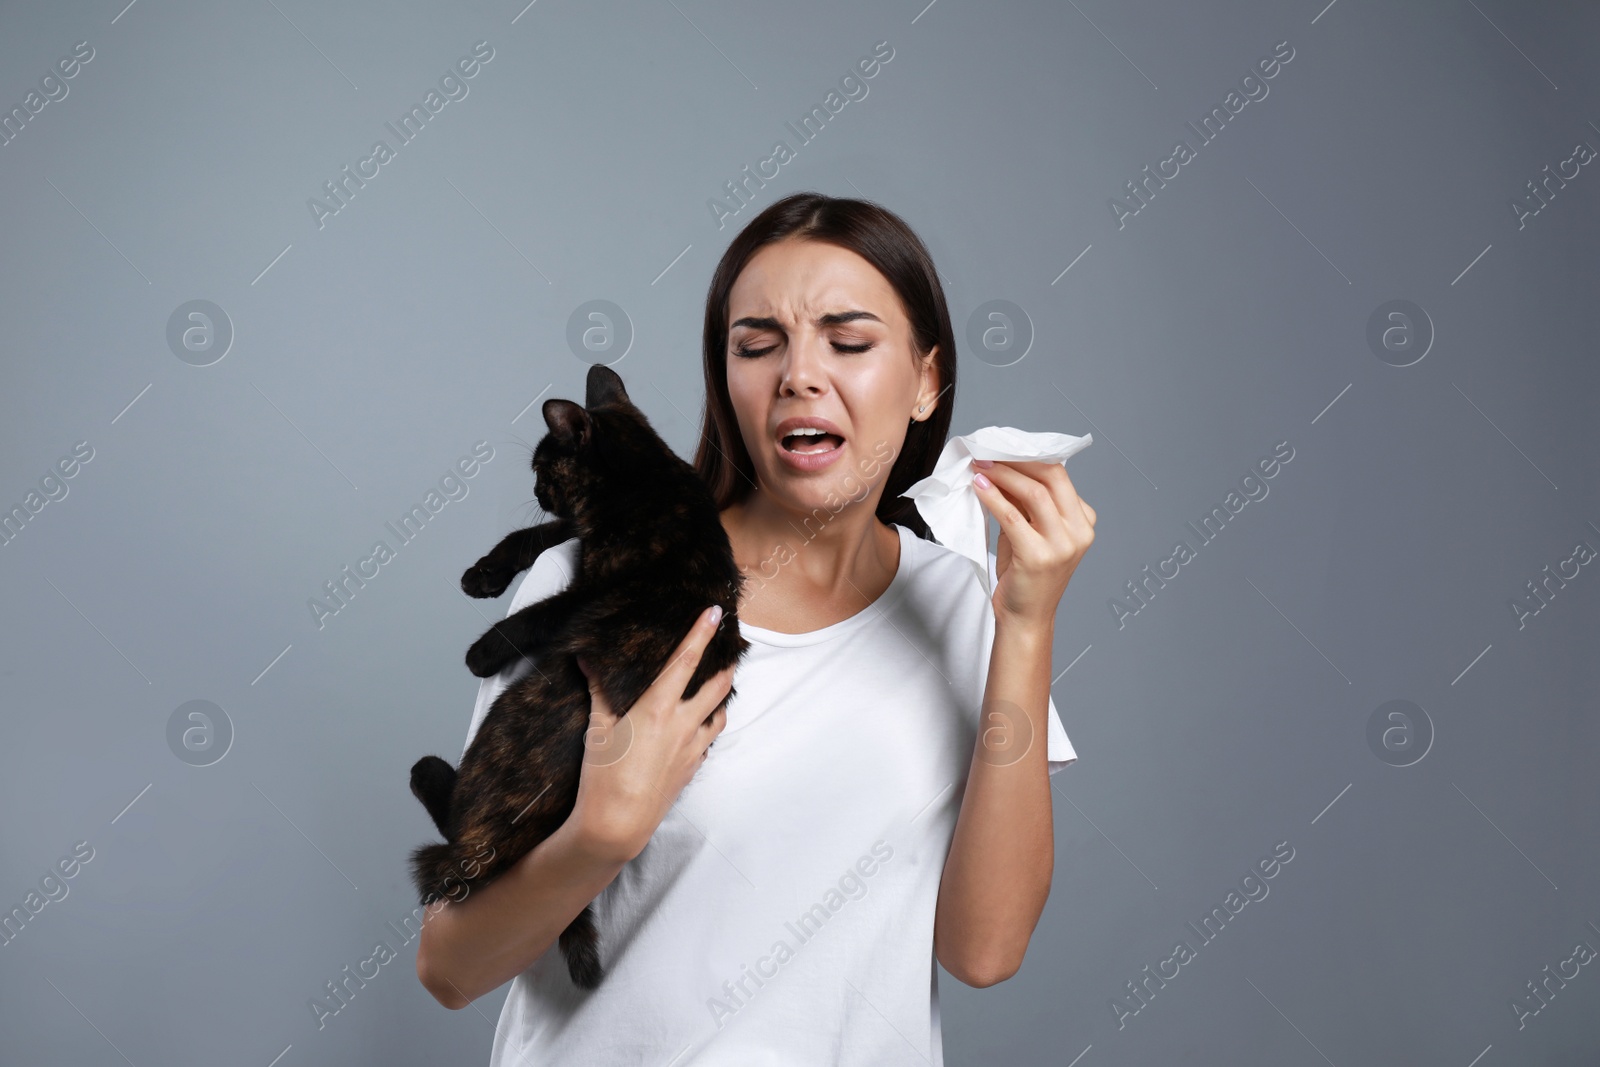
[950, 505]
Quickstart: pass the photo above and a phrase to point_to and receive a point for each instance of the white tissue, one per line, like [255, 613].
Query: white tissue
[948, 502]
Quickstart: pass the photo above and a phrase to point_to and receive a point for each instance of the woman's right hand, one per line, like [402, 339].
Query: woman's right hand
[635, 765]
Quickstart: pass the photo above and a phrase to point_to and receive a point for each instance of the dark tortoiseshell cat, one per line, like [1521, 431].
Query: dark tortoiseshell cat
[652, 556]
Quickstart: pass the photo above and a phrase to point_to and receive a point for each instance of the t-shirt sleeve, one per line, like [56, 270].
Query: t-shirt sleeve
[550, 573]
[1058, 748]
[1058, 752]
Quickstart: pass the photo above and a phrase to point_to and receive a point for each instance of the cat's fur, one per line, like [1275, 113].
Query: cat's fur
[652, 556]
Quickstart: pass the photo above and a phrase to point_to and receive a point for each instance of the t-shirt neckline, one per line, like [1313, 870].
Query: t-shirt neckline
[902, 577]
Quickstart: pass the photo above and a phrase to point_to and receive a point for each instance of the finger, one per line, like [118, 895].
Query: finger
[597, 698]
[1066, 494]
[1024, 508]
[708, 731]
[1036, 467]
[1028, 484]
[713, 725]
[674, 677]
[1076, 516]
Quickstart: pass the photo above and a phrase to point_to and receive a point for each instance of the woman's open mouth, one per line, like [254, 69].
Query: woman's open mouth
[810, 449]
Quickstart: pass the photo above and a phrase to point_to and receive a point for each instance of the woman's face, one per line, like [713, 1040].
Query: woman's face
[827, 339]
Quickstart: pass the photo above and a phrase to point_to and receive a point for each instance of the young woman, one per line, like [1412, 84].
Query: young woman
[878, 797]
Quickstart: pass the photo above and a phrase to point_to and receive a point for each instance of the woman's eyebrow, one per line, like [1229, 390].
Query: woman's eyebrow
[835, 319]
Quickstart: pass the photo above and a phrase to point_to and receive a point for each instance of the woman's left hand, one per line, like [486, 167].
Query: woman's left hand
[1045, 528]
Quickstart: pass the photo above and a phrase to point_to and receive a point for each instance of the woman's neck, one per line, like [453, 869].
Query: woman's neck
[807, 570]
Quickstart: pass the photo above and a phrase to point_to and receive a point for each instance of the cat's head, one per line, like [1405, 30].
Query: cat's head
[600, 450]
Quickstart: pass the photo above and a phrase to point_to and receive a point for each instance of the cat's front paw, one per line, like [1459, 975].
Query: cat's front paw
[484, 580]
[490, 654]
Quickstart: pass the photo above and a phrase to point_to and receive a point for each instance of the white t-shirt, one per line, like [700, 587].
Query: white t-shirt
[782, 913]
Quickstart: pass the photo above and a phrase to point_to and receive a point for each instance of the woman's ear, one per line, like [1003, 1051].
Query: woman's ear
[929, 392]
[567, 421]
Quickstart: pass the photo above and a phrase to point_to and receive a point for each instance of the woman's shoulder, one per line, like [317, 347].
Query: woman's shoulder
[939, 572]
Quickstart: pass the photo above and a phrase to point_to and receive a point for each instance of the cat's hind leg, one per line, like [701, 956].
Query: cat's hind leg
[433, 781]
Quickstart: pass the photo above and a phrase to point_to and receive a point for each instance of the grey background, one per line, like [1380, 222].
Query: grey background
[1229, 314]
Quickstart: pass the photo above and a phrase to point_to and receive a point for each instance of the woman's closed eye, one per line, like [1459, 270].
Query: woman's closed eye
[753, 353]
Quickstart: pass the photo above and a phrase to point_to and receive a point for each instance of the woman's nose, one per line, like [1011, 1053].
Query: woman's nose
[803, 367]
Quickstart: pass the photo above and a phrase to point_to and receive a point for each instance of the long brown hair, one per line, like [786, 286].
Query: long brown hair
[883, 239]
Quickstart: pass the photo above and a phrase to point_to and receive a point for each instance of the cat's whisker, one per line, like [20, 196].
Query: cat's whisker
[526, 445]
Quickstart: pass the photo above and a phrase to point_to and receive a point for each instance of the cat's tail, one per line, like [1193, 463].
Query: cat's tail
[580, 943]
[433, 781]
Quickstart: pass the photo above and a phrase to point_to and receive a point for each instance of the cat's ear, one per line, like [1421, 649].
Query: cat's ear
[568, 421]
[605, 387]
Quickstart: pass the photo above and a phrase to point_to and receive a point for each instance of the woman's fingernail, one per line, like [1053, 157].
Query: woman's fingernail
[980, 481]
[983, 463]
[716, 614]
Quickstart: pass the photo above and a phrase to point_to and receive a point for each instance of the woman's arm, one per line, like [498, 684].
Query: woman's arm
[997, 874]
[471, 946]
